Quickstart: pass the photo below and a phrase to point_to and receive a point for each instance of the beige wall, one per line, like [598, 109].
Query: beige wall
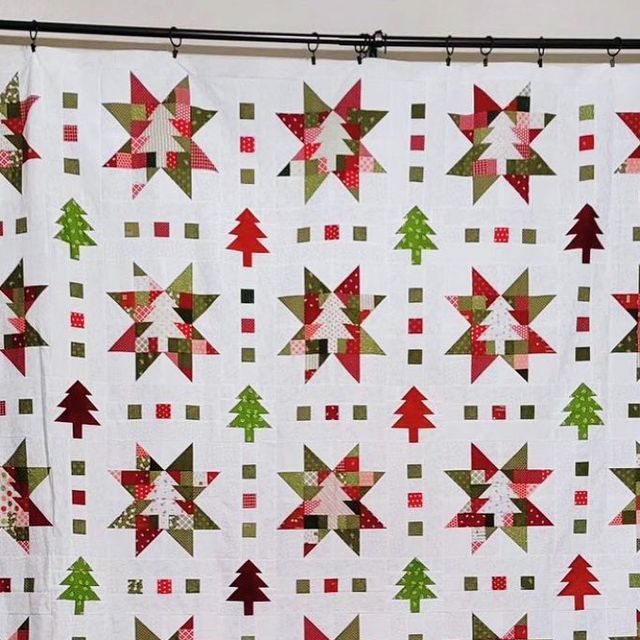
[603, 18]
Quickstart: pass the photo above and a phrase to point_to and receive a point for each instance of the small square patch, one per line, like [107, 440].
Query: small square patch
[527, 412]
[78, 497]
[134, 411]
[161, 229]
[498, 412]
[501, 234]
[303, 586]
[134, 586]
[76, 320]
[25, 406]
[332, 412]
[414, 500]
[529, 236]
[359, 411]
[360, 234]
[583, 354]
[79, 527]
[69, 100]
[164, 586]
[581, 498]
[192, 585]
[332, 232]
[131, 230]
[415, 528]
[416, 174]
[414, 356]
[527, 583]
[416, 143]
[70, 133]
[633, 410]
[579, 635]
[78, 467]
[247, 296]
[331, 585]
[247, 176]
[248, 471]
[470, 583]
[587, 172]
[414, 471]
[249, 500]
[586, 142]
[163, 411]
[5, 585]
[71, 166]
[586, 112]
[358, 585]
[192, 412]
[634, 580]
[418, 111]
[472, 235]
[414, 325]
[76, 290]
[582, 323]
[249, 529]
[77, 350]
[28, 585]
[582, 468]
[247, 325]
[580, 526]
[415, 294]
[247, 354]
[191, 230]
[247, 144]
[303, 413]
[21, 226]
[247, 111]
[499, 583]
[304, 234]
[470, 412]
[584, 294]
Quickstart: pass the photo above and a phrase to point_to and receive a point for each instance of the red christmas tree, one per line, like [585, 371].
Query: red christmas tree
[413, 414]
[248, 587]
[247, 237]
[77, 408]
[586, 231]
[579, 580]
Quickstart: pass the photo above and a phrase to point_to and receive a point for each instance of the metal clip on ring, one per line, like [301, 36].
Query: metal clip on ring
[486, 51]
[174, 44]
[313, 48]
[449, 49]
[540, 52]
[378, 39]
[361, 49]
[617, 41]
[33, 34]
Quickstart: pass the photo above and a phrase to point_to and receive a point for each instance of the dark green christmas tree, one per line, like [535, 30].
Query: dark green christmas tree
[582, 411]
[74, 228]
[249, 414]
[415, 585]
[416, 232]
[79, 583]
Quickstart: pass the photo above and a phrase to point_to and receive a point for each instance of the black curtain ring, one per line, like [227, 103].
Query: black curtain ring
[540, 51]
[617, 41]
[486, 51]
[175, 44]
[378, 39]
[314, 47]
[361, 49]
[449, 49]
[33, 34]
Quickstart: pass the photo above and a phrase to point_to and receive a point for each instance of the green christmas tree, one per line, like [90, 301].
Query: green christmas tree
[74, 228]
[79, 582]
[249, 412]
[416, 232]
[415, 585]
[582, 411]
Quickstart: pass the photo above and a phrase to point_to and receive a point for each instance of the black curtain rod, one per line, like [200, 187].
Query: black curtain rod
[370, 43]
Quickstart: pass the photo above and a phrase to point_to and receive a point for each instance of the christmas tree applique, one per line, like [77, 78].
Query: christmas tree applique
[77, 408]
[413, 414]
[579, 580]
[585, 232]
[582, 411]
[415, 585]
[248, 587]
[74, 228]
[249, 414]
[415, 235]
[247, 238]
[79, 583]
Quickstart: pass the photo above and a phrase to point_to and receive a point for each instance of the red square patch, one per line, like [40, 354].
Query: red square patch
[247, 144]
[70, 133]
[5, 585]
[498, 412]
[414, 500]
[247, 325]
[331, 585]
[415, 325]
[501, 234]
[77, 320]
[249, 500]
[161, 229]
[581, 498]
[78, 497]
[332, 412]
[499, 583]
[416, 143]
[586, 142]
[163, 411]
[582, 323]
[332, 232]
[3, 407]
[164, 586]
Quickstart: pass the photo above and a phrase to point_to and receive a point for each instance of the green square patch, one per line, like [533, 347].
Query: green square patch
[414, 356]
[586, 172]
[134, 586]
[586, 112]
[192, 585]
[529, 236]
[77, 349]
[415, 528]
[247, 111]
[580, 526]
[583, 354]
[247, 296]
[636, 234]
[303, 586]
[470, 583]
[134, 411]
[584, 294]
[470, 412]
[579, 635]
[76, 289]
[78, 467]
[359, 411]
[634, 580]
[418, 111]
[247, 354]
[79, 526]
[582, 468]
[303, 413]
[472, 235]
[416, 174]
[21, 225]
[28, 585]
[25, 406]
[415, 636]
[247, 176]
[191, 230]
[249, 529]
[414, 471]
[192, 412]
[527, 583]
[415, 294]
[358, 585]
[69, 100]
[360, 234]
[527, 412]
[71, 166]
[633, 410]
[304, 234]
[248, 471]
[131, 230]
